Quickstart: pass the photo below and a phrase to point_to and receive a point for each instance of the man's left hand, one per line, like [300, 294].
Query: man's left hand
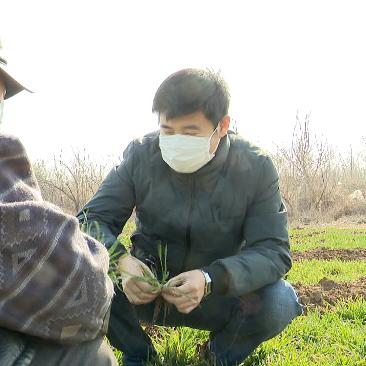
[185, 291]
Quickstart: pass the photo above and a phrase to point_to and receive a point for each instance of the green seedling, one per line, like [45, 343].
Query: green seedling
[151, 278]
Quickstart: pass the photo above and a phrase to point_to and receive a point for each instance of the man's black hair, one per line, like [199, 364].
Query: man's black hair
[192, 90]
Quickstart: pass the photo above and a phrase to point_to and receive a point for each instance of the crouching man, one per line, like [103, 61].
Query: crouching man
[212, 199]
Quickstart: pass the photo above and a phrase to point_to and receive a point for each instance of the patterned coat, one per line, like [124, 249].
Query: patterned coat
[53, 278]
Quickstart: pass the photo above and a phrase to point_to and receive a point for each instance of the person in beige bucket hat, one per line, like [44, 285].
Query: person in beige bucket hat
[55, 293]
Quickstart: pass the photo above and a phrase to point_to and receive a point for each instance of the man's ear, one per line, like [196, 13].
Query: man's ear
[224, 125]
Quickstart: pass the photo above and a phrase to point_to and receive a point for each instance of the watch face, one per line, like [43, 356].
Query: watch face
[208, 290]
[207, 283]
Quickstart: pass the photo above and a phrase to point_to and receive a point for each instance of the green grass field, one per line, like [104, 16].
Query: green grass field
[311, 238]
[335, 336]
[311, 272]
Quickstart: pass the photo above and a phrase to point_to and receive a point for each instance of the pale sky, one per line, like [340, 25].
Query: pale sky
[95, 66]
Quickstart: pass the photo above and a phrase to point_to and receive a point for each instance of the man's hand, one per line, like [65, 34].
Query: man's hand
[185, 291]
[137, 292]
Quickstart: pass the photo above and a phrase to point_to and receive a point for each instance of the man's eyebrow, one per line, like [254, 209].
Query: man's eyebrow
[162, 125]
[191, 127]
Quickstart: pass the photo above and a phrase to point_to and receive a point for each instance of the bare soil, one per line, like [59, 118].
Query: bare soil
[347, 222]
[329, 254]
[328, 293]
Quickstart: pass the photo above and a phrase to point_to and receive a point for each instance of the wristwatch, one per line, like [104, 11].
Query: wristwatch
[208, 284]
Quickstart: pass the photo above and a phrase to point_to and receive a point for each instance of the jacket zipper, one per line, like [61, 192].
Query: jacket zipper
[188, 228]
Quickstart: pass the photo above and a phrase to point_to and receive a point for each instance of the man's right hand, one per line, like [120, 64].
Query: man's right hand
[137, 292]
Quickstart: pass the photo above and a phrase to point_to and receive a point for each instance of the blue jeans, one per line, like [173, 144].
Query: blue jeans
[260, 316]
[237, 325]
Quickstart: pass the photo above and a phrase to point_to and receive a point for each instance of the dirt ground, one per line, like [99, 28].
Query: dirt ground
[346, 222]
[329, 254]
[328, 292]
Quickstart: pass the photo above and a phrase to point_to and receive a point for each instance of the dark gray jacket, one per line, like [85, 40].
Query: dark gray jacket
[228, 217]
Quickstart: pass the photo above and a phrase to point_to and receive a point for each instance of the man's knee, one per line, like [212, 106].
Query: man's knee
[280, 306]
[93, 353]
[105, 356]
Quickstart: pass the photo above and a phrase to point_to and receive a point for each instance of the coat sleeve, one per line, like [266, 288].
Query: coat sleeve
[54, 281]
[105, 215]
[265, 255]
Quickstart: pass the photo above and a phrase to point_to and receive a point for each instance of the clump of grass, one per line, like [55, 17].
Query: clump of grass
[178, 346]
[158, 284]
[151, 278]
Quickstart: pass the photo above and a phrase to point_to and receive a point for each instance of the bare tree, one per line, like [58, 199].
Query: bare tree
[70, 184]
[306, 169]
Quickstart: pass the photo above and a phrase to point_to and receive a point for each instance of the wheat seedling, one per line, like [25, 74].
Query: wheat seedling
[152, 279]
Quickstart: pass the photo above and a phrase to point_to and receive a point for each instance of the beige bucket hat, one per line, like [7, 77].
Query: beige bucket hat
[12, 85]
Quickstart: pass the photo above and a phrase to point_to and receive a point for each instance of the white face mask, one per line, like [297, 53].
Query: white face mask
[1, 111]
[186, 154]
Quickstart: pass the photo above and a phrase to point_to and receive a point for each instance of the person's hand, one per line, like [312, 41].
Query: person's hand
[138, 292]
[185, 291]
